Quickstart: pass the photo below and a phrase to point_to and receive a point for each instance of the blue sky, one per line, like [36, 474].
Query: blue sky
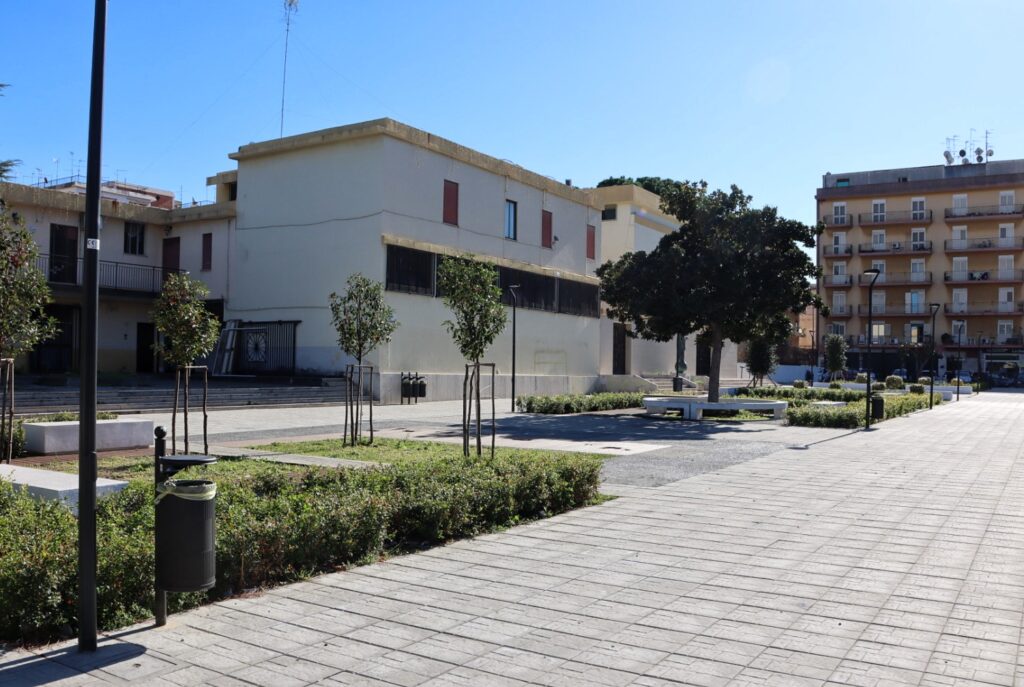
[768, 95]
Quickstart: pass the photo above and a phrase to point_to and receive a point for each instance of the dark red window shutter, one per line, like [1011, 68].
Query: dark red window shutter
[545, 229]
[591, 242]
[451, 203]
[207, 251]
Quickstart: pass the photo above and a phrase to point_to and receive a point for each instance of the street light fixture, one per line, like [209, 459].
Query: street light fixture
[515, 302]
[873, 272]
[931, 391]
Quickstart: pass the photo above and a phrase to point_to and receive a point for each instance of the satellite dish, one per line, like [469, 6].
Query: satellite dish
[989, 152]
[965, 161]
[979, 158]
[963, 153]
[978, 151]
[949, 157]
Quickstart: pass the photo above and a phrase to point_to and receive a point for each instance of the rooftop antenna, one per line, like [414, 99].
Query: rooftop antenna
[290, 7]
[988, 151]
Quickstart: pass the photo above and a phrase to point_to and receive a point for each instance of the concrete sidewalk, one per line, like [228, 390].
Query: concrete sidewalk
[888, 557]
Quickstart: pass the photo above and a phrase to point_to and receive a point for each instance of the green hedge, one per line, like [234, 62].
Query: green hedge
[916, 388]
[894, 382]
[579, 403]
[851, 415]
[274, 524]
[815, 394]
[799, 384]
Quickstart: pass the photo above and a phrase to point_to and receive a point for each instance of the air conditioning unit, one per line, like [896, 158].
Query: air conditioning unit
[896, 245]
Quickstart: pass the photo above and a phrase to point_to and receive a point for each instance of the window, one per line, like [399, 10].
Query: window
[450, 214]
[839, 268]
[839, 214]
[1005, 266]
[838, 240]
[838, 328]
[207, 252]
[1004, 331]
[839, 303]
[917, 270]
[917, 241]
[878, 302]
[1006, 201]
[410, 271]
[959, 300]
[959, 328]
[511, 220]
[914, 302]
[134, 238]
[959, 268]
[1005, 235]
[959, 205]
[917, 209]
[609, 212]
[547, 238]
[591, 242]
[878, 239]
[577, 298]
[842, 183]
[1006, 299]
[959, 241]
[878, 211]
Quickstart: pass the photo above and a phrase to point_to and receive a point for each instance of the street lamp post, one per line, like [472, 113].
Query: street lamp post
[959, 358]
[515, 302]
[873, 272]
[931, 391]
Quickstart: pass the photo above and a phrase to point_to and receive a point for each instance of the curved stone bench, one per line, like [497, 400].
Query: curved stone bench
[693, 408]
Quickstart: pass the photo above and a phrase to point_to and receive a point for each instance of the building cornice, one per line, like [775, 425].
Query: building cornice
[909, 188]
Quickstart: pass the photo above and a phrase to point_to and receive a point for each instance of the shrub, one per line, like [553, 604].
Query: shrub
[924, 380]
[878, 386]
[813, 394]
[799, 384]
[896, 406]
[838, 417]
[894, 382]
[579, 403]
[274, 524]
[861, 378]
[916, 388]
[835, 385]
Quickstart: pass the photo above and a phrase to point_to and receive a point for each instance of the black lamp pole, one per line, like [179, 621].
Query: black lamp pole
[959, 358]
[871, 309]
[931, 391]
[515, 302]
[90, 306]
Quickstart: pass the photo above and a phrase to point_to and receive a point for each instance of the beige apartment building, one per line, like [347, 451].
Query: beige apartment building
[949, 235]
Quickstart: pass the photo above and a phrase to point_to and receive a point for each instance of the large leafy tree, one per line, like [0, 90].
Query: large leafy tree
[6, 166]
[729, 272]
[362, 317]
[23, 290]
[190, 330]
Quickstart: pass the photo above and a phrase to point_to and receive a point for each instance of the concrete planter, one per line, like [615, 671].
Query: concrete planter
[43, 438]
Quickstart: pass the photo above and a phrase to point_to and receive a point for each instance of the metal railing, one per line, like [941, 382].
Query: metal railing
[984, 243]
[896, 247]
[881, 340]
[837, 221]
[115, 276]
[837, 249]
[840, 310]
[996, 275]
[978, 211]
[895, 309]
[896, 278]
[837, 280]
[985, 308]
[897, 217]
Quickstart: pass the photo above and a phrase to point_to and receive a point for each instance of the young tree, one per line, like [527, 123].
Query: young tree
[23, 319]
[364, 321]
[472, 293]
[761, 359]
[835, 355]
[728, 272]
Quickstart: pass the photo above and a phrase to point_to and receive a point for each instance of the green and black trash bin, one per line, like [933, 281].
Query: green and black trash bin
[877, 408]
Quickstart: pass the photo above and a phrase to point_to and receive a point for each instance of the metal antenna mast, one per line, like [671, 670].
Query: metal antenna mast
[290, 6]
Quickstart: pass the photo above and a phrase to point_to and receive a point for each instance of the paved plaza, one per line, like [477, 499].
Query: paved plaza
[889, 557]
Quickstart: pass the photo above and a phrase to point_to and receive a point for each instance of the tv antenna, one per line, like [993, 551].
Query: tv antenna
[290, 8]
[967, 156]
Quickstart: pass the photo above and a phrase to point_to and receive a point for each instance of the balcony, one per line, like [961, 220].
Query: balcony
[981, 340]
[118, 277]
[896, 278]
[983, 309]
[882, 219]
[837, 250]
[989, 243]
[837, 222]
[989, 276]
[895, 310]
[976, 213]
[896, 247]
[837, 281]
[889, 341]
[837, 312]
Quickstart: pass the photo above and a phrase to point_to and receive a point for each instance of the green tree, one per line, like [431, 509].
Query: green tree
[362, 318]
[6, 166]
[189, 329]
[835, 355]
[472, 293]
[728, 272]
[23, 290]
[762, 359]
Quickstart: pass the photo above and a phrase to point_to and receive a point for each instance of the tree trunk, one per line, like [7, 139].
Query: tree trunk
[479, 446]
[716, 365]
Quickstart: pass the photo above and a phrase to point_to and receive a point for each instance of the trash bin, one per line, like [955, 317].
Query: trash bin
[877, 408]
[677, 384]
[421, 388]
[185, 533]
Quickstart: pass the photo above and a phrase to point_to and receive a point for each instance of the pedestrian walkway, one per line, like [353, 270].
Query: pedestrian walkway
[889, 557]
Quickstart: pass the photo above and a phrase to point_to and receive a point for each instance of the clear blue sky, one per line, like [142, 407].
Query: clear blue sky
[768, 95]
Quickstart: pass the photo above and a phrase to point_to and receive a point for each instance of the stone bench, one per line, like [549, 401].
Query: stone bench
[693, 408]
[45, 438]
[49, 485]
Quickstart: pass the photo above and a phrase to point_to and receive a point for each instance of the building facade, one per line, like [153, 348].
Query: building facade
[948, 235]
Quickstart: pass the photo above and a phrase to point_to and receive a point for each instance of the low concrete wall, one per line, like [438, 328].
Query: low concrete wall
[62, 437]
[620, 383]
[448, 387]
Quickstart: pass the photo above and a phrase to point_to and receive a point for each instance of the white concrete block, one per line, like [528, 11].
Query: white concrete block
[62, 437]
[49, 485]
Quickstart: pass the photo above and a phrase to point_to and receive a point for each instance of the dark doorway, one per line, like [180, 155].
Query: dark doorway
[703, 360]
[171, 261]
[63, 254]
[145, 336]
[59, 354]
[618, 349]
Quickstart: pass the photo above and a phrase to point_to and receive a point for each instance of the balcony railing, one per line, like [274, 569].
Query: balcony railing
[840, 311]
[867, 219]
[837, 250]
[996, 276]
[114, 276]
[841, 221]
[985, 308]
[880, 340]
[905, 247]
[985, 243]
[896, 278]
[895, 309]
[837, 280]
[973, 212]
[980, 340]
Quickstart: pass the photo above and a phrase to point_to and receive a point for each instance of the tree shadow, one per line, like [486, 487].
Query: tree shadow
[65, 663]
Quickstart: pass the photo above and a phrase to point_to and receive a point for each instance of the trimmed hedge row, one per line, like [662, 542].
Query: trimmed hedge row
[812, 394]
[274, 524]
[851, 415]
[579, 403]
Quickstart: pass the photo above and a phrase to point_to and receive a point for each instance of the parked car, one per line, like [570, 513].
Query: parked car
[900, 372]
[964, 376]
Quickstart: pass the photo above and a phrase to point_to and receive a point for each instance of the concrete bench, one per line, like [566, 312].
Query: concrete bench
[45, 438]
[693, 408]
[48, 485]
[828, 404]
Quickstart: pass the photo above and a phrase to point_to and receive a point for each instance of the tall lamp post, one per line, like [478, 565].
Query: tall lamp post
[959, 357]
[931, 391]
[873, 273]
[515, 302]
